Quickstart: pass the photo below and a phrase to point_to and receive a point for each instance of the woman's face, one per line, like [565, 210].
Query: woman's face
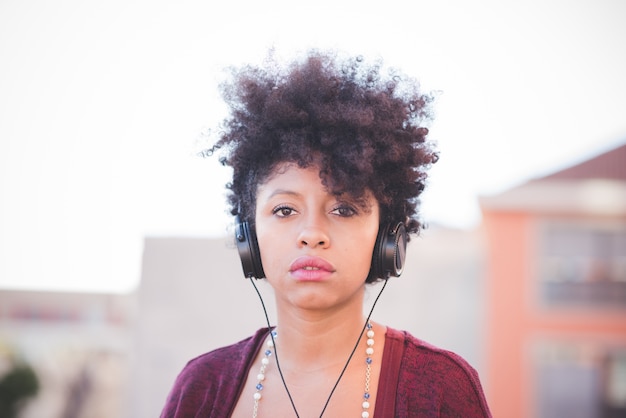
[316, 247]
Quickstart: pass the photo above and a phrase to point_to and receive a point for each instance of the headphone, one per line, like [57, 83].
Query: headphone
[387, 259]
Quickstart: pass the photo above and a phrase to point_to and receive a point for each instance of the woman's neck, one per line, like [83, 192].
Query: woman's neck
[309, 342]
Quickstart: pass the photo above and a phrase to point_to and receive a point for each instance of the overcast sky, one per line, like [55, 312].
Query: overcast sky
[102, 104]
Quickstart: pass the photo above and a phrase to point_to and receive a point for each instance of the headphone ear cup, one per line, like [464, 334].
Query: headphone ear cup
[389, 252]
[248, 249]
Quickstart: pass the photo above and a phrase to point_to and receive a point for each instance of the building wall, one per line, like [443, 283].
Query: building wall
[548, 357]
[507, 287]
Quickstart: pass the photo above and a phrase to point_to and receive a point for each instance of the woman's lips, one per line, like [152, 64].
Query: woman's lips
[309, 268]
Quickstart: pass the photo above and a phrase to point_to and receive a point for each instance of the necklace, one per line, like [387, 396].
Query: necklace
[269, 351]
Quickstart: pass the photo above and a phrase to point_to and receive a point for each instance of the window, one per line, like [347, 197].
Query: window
[580, 380]
[583, 264]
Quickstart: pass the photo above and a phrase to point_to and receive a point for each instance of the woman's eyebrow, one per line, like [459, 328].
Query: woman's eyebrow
[280, 192]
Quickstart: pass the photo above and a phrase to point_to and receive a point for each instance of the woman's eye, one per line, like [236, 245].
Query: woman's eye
[344, 211]
[283, 211]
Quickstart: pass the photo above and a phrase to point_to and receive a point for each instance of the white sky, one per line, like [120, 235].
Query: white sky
[101, 104]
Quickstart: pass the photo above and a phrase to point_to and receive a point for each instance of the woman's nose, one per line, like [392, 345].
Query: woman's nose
[313, 236]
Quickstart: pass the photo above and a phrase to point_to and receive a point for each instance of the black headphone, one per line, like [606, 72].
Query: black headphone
[387, 259]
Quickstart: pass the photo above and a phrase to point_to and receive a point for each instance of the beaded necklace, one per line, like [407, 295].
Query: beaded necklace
[269, 350]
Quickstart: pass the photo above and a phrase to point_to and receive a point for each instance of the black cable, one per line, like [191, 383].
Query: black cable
[345, 367]
[354, 349]
[267, 319]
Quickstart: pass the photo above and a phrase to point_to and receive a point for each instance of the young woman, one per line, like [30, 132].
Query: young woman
[329, 157]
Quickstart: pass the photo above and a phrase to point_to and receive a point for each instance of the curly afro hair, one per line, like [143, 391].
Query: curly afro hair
[362, 128]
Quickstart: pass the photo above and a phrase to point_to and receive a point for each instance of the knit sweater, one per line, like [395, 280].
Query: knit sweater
[416, 380]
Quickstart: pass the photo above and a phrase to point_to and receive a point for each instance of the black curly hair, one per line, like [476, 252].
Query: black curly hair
[363, 129]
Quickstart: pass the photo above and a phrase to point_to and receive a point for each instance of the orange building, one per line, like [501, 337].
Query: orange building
[556, 304]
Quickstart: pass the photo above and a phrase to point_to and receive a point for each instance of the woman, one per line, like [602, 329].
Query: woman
[329, 158]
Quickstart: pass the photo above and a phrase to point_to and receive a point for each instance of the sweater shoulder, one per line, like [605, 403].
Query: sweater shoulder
[438, 378]
[420, 352]
[214, 375]
[223, 361]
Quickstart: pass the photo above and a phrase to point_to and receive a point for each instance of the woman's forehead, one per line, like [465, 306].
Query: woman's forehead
[364, 198]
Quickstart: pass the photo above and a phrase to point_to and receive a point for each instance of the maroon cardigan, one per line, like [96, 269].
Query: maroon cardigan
[416, 380]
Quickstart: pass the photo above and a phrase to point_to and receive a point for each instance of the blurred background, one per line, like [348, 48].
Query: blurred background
[116, 257]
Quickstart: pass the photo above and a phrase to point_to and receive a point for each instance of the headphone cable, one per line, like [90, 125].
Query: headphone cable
[280, 372]
[354, 349]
